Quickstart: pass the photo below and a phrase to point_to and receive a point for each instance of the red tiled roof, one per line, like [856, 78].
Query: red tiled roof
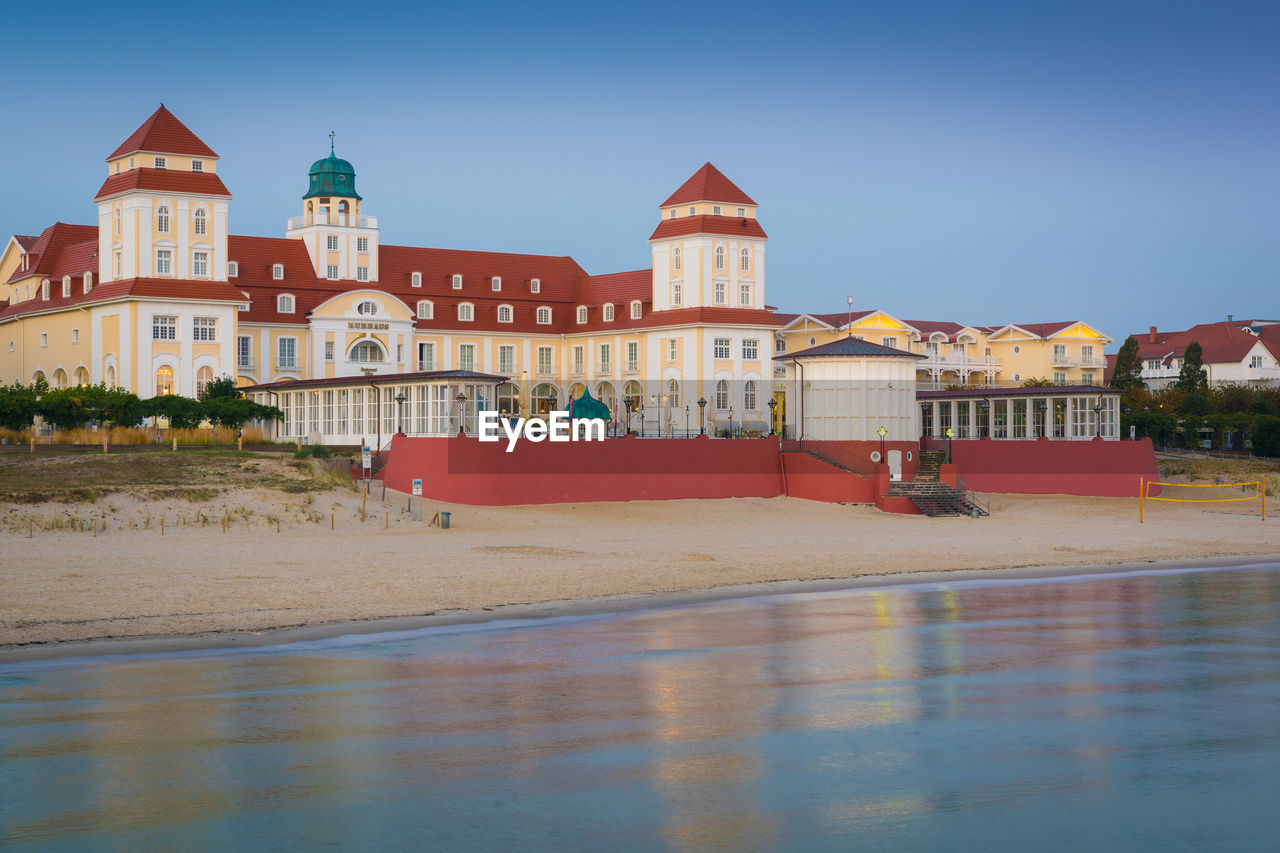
[25, 242]
[1222, 342]
[45, 251]
[708, 184]
[163, 180]
[946, 327]
[728, 225]
[620, 289]
[160, 288]
[163, 134]
[1043, 330]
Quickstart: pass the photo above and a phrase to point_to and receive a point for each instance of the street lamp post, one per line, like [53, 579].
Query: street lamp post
[882, 432]
[400, 398]
[1042, 407]
[629, 404]
[1097, 417]
[731, 422]
[686, 420]
[702, 408]
[986, 417]
[773, 415]
[462, 412]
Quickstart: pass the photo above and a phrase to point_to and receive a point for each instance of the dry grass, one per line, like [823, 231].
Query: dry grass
[133, 436]
[1180, 469]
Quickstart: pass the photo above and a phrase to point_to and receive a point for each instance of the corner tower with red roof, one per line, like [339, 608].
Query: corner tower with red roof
[708, 250]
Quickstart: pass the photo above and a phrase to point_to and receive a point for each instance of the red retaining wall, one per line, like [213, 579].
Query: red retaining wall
[815, 480]
[468, 471]
[1043, 467]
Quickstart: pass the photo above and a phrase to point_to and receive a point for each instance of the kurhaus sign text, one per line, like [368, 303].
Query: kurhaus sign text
[363, 324]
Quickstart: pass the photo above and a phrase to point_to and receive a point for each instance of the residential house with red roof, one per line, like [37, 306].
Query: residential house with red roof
[1235, 352]
[159, 297]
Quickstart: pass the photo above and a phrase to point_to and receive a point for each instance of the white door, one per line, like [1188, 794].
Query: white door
[895, 465]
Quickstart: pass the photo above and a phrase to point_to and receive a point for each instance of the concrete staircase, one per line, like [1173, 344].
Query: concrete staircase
[835, 463]
[935, 498]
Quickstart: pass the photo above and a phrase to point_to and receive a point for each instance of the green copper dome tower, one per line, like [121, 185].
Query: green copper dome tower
[332, 176]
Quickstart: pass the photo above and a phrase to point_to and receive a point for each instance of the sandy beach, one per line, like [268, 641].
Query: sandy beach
[65, 586]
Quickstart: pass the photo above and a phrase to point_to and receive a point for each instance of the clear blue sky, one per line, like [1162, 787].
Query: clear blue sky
[1117, 162]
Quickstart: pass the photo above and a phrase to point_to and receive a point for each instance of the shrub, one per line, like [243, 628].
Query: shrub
[1266, 436]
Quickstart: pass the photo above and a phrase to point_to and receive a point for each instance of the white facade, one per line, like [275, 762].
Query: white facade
[849, 398]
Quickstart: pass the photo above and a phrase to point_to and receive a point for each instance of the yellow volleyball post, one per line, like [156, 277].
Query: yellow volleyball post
[1264, 498]
[1142, 496]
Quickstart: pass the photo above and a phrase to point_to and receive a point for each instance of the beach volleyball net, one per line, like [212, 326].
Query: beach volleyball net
[1248, 498]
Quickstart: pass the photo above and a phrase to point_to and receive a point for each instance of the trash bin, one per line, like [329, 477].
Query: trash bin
[444, 520]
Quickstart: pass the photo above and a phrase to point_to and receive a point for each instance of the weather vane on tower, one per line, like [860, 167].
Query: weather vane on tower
[331, 142]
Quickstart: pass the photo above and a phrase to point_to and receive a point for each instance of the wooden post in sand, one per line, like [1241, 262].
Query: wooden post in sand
[332, 515]
[33, 445]
[387, 526]
[106, 437]
[162, 525]
[95, 528]
[175, 442]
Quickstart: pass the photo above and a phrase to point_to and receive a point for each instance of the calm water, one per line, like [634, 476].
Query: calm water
[1120, 713]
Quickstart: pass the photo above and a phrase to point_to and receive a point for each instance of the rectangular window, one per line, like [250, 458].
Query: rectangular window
[1059, 352]
[164, 262]
[722, 296]
[466, 356]
[277, 271]
[197, 165]
[465, 312]
[399, 353]
[535, 285]
[604, 358]
[1086, 378]
[118, 265]
[200, 264]
[204, 329]
[506, 359]
[1255, 361]
[1086, 355]
[328, 350]
[677, 293]
[233, 269]
[715, 210]
[160, 162]
[779, 344]
[673, 349]
[544, 361]
[633, 356]
[44, 339]
[164, 328]
[244, 351]
[497, 283]
[1059, 378]
[742, 211]
[891, 343]
[426, 356]
[721, 348]
[579, 360]
[75, 336]
[744, 294]
[328, 413]
[750, 350]
[693, 208]
[333, 242]
[331, 271]
[288, 351]
[457, 282]
[362, 244]
[362, 273]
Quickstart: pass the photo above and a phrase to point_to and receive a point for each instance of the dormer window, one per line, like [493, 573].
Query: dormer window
[608, 312]
[162, 219]
[535, 285]
[284, 303]
[367, 308]
[466, 312]
[197, 165]
[415, 279]
[672, 214]
[426, 310]
[233, 269]
[497, 283]
[66, 286]
[457, 282]
[636, 309]
[742, 212]
[44, 290]
[544, 316]
[160, 162]
[505, 314]
[88, 281]
[582, 314]
[277, 272]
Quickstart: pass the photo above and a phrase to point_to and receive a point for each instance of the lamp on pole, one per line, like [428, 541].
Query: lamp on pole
[686, 420]
[731, 422]
[629, 404]
[702, 408]
[1097, 417]
[1133, 429]
[882, 432]
[1041, 407]
[400, 398]
[986, 417]
[462, 412]
[773, 414]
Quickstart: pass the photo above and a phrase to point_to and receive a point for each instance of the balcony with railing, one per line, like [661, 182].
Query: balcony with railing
[960, 362]
[631, 367]
[545, 371]
[338, 219]
[577, 371]
[604, 368]
[426, 364]
[246, 364]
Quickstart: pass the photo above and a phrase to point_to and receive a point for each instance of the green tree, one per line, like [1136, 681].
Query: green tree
[236, 412]
[1128, 369]
[17, 406]
[1037, 382]
[1197, 403]
[182, 412]
[222, 388]
[1266, 436]
[66, 408]
[1192, 376]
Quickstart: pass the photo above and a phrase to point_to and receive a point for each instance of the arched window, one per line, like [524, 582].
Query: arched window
[457, 282]
[277, 271]
[203, 377]
[111, 377]
[117, 222]
[81, 377]
[504, 313]
[367, 308]
[284, 303]
[608, 312]
[745, 261]
[719, 257]
[162, 219]
[673, 394]
[164, 380]
[582, 314]
[343, 207]
[722, 395]
[677, 255]
[59, 378]
[749, 396]
[636, 310]
[365, 351]
[426, 310]
[466, 312]
[544, 316]
[201, 223]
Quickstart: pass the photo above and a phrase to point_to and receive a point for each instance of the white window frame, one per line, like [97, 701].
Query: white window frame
[164, 327]
[677, 295]
[362, 273]
[506, 365]
[722, 349]
[362, 245]
[744, 293]
[466, 312]
[277, 272]
[331, 242]
[582, 314]
[292, 362]
[204, 329]
[233, 269]
[508, 311]
[467, 357]
[199, 264]
[608, 312]
[544, 315]
[673, 349]
[197, 165]
[164, 262]
[75, 336]
[415, 279]
[161, 162]
[426, 309]
[535, 285]
[200, 222]
[331, 272]
[675, 257]
[496, 284]
[720, 257]
[750, 349]
[720, 292]
[162, 219]
[457, 281]
[285, 303]
[66, 286]
[244, 350]
[546, 360]
[715, 210]
[364, 304]
[637, 309]
[744, 260]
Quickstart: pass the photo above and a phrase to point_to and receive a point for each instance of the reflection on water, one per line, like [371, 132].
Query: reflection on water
[1132, 712]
